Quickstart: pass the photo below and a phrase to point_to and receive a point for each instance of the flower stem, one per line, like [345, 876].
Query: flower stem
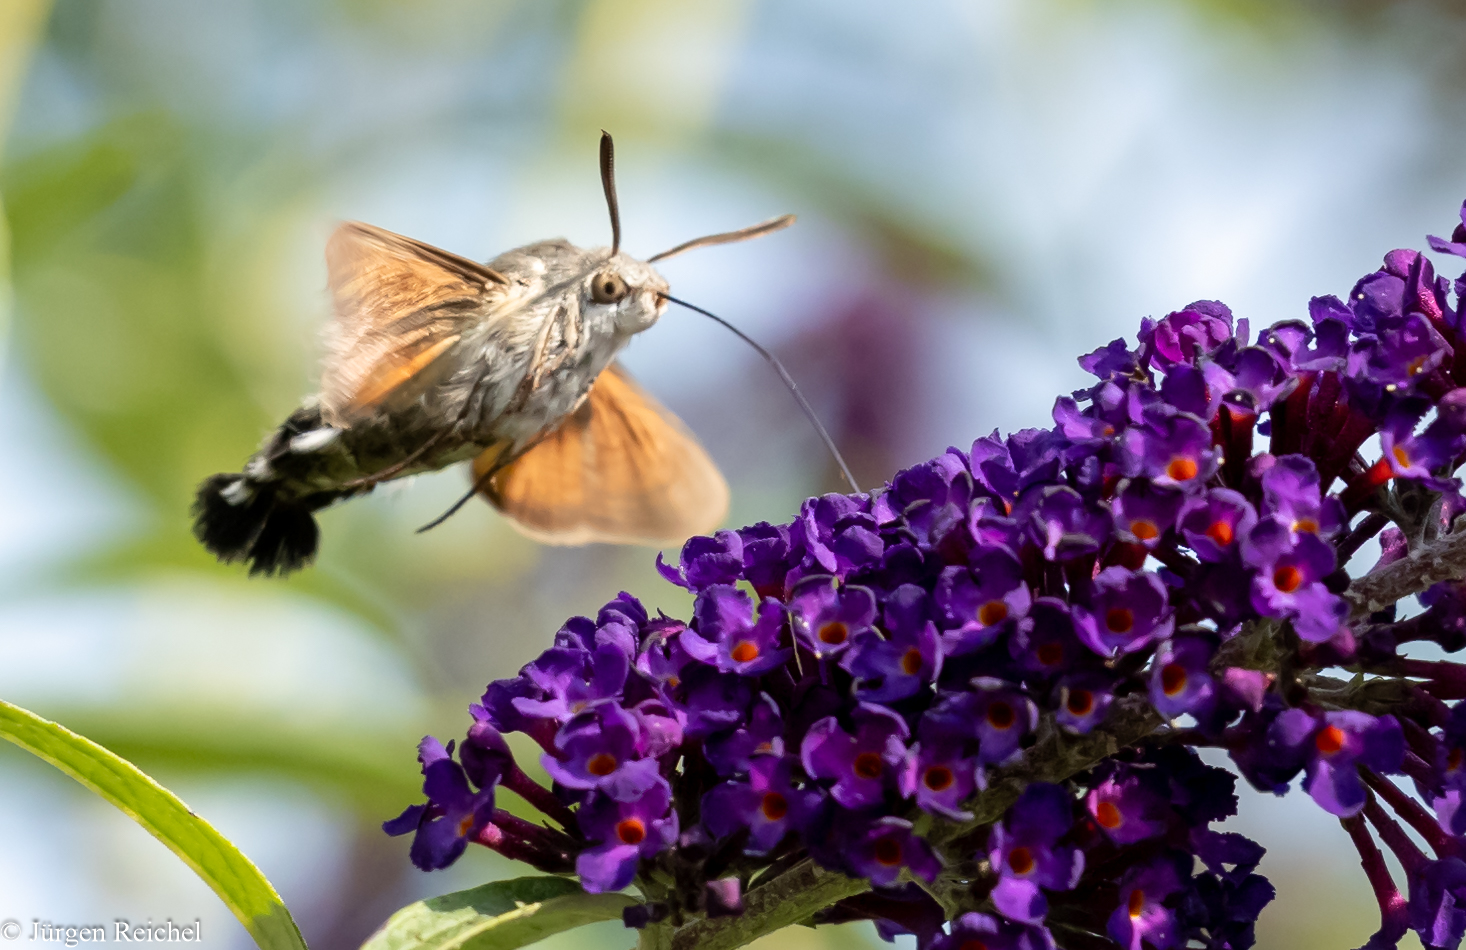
[789, 898]
[655, 937]
[1390, 832]
[1372, 524]
[1427, 565]
[1414, 814]
[540, 797]
[497, 838]
[1392, 907]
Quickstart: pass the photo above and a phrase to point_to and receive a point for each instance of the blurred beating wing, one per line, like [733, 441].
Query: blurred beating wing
[401, 305]
[621, 469]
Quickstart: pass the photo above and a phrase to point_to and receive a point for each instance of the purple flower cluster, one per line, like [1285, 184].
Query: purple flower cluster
[1163, 567]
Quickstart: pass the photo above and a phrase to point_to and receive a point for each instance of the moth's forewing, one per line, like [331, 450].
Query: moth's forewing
[401, 306]
[621, 469]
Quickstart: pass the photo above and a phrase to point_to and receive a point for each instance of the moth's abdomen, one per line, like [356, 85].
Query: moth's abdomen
[265, 515]
[256, 523]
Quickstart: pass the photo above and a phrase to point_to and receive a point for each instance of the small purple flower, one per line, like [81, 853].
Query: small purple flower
[621, 834]
[978, 602]
[1406, 355]
[996, 714]
[599, 750]
[828, 617]
[485, 755]
[1037, 455]
[1416, 456]
[1186, 389]
[935, 496]
[659, 727]
[1255, 380]
[1045, 644]
[729, 634]
[1065, 526]
[1126, 808]
[1438, 902]
[1289, 579]
[1341, 742]
[1024, 849]
[861, 766]
[894, 668]
[572, 681]
[1173, 450]
[1213, 523]
[1288, 341]
[1083, 427]
[1450, 808]
[500, 711]
[621, 621]
[1128, 610]
[707, 561]
[1292, 494]
[940, 778]
[763, 734]
[1269, 745]
[1141, 916]
[769, 805]
[1002, 715]
[885, 847]
[766, 560]
[1179, 680]
[712, 701]
[664, 660]
[1084, 701]
[454, 813]
[832, 535]
[1181, 336]
[1144, 513]
[989, 524]
[1245, 689]
[1377, 301]
[973, 930]
[1113, 359]
[993, 467]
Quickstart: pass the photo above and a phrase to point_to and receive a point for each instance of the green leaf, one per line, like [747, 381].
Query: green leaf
[239, 884]
[498, 916]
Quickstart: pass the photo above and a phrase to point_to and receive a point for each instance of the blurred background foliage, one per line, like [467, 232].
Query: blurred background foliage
[986, 190]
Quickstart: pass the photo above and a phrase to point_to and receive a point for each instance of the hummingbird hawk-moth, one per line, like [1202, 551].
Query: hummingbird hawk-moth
[433, 359]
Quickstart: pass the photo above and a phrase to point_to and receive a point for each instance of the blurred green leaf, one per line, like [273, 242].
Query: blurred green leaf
[21, 25]
[113, 308]
[498, 916]
[125, 329]
[371, 769]
[239, 884]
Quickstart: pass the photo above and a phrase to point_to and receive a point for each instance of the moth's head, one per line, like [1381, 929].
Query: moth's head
[634, 290]
[627, 289]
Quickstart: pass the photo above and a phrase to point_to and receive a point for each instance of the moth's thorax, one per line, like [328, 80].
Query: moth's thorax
[557, 269]
[534, 367]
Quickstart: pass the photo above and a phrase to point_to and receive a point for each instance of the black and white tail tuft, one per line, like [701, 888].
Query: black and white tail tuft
[241, 520]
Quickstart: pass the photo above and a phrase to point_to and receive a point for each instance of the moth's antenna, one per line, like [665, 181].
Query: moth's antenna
[608, 182]
[728, 237]
[788, 381]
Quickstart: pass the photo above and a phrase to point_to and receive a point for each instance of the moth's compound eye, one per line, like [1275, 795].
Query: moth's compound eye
[607, 287]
